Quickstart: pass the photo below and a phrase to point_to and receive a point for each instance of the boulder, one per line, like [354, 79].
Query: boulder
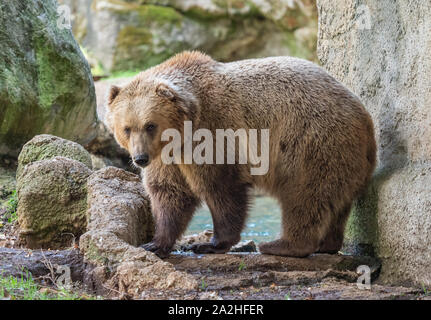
[52, 202]
[134, 35]
[46, 84]
[45, 146]
[380, 50]
[120, 220]
[118, 204]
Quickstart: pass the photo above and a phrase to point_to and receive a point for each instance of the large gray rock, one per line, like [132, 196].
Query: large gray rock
[380, 49]
[52, 202]
[134, 34]
[45, 82]
[120, 219]
[117, 204]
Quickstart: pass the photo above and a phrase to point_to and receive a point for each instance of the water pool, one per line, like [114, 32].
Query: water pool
[263, 223]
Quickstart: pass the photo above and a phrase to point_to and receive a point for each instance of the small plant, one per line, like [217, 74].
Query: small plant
[203, 284]
[425, 290]
[242, 265]
[287, 296]
[22, 288]
[25, 288]
[11, 206]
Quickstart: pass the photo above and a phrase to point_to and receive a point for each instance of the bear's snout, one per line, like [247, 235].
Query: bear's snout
[142, 160]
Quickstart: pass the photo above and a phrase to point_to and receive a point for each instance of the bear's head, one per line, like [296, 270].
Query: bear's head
[139, 113]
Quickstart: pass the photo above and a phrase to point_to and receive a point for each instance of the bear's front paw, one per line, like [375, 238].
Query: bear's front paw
[159, 251]
[207, 247]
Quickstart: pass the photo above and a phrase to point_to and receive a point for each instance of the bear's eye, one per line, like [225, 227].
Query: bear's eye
[127, 131]
[150, 127]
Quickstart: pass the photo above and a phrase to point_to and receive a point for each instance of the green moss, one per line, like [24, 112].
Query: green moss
[53, 72]
[133, 48]
[48, 147]
[11, 206]
[56, 210]
[7, 184]
[43, 77]
[160, 14]
[19, 112]
[131, 36]
[137, 47]
[197, 13]
[147, 12]
[362, 230]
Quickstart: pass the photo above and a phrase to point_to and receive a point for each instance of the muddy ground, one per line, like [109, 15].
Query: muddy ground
[237, 276]
[256, 276]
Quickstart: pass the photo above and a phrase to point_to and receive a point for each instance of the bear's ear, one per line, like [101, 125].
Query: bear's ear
[183, 99]
[166, 92]
[113, 93]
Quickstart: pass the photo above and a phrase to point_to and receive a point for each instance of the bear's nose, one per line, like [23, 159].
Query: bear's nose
[141, 160]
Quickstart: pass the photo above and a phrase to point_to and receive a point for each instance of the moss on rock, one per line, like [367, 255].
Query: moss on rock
[52, 202]
[46, 84]
[145, 40]
[44, 147]
[159, 14]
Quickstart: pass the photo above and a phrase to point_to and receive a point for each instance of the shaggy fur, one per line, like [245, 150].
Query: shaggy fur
[322, 147]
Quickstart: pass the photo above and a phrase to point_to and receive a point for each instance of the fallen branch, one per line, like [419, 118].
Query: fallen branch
[17, 262]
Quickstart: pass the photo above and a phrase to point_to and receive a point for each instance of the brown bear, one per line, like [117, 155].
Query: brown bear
[322, 149]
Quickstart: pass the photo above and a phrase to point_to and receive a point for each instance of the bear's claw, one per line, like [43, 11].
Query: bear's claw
[153, 247]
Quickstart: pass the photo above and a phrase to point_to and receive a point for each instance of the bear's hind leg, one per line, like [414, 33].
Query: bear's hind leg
[304, 225]
[333, 241]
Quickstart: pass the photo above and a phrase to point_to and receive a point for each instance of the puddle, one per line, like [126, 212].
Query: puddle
[263, 223]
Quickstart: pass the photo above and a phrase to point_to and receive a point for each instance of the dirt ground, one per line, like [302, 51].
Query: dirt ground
[252, 276]
[259, 277]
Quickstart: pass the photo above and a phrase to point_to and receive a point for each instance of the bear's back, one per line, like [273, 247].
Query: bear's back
[283, 88]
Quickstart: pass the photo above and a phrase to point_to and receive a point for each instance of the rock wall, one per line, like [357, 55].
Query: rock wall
[135, 34]
[380, 49]
[45, 81]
